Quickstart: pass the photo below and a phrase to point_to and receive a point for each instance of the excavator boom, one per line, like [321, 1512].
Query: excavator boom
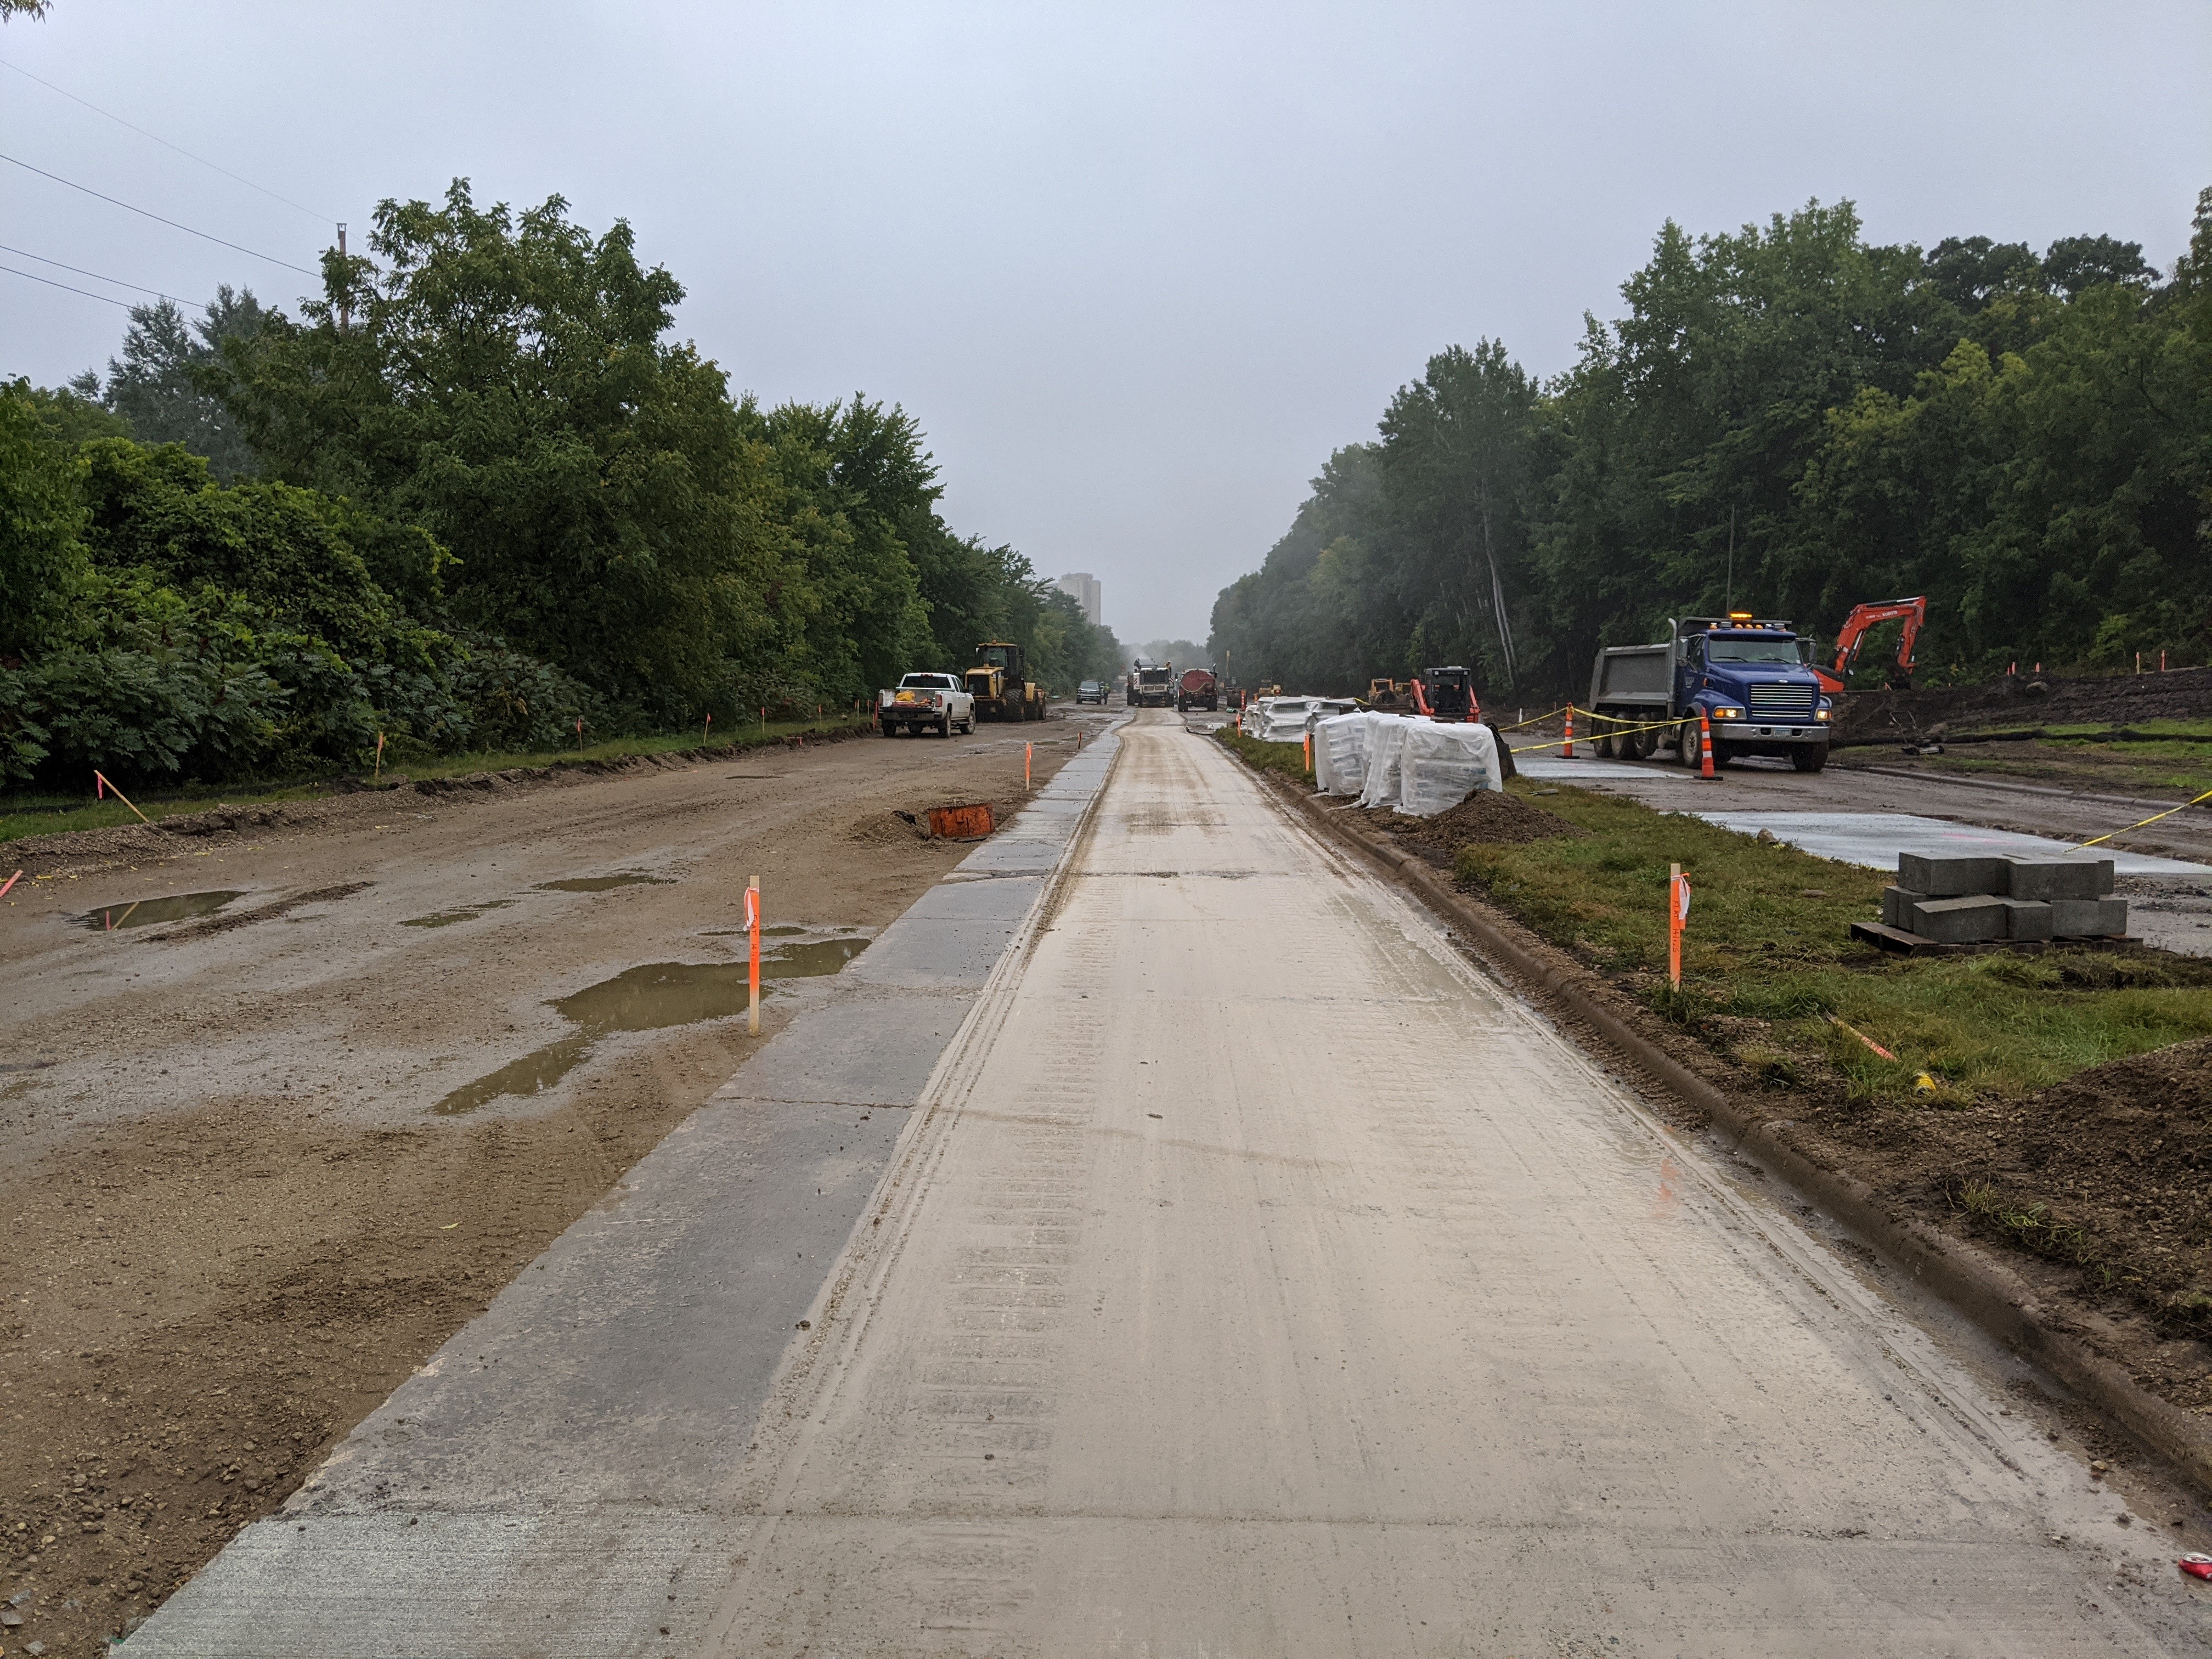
[1914, 614]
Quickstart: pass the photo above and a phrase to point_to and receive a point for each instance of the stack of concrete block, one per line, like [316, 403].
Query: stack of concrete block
[1974, 901]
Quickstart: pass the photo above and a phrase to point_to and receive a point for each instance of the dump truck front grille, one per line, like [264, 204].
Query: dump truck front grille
[1777, 700]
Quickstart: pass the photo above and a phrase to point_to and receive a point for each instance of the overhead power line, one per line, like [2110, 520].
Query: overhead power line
[159, 219]
[65, 287]
[238, 177]
[26, 253]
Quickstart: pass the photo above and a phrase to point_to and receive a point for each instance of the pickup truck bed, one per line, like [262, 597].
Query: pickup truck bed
[927, 702]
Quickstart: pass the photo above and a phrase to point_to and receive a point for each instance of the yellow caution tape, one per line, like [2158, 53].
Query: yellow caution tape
[2137, 824]
[1593, 737]
[1535, 719]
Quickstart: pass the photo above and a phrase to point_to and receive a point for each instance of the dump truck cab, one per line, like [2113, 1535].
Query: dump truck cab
[1752, 680]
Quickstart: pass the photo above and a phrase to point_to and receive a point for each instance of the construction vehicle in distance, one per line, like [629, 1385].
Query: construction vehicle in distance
[1000, 684]
[1446, 694]
[1197, 690]
[1389, 696]
[1912, 612]
[1151, 684]
[1750, 679]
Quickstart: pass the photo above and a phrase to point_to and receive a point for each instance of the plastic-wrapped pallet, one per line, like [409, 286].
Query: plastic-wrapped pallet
[1442, 764]
[1340, 754]
[1386, 745]
[1283, 719]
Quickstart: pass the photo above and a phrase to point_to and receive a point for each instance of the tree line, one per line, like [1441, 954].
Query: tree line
[472, 495]
[1788, 419]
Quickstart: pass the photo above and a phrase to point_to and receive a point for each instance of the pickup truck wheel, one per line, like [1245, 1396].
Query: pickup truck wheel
[944, 726]
[1811, 759]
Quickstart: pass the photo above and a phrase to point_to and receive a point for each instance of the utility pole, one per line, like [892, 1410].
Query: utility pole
[1730, 606]
[345, 311]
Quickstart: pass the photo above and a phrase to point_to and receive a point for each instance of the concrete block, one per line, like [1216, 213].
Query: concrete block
[1896, 904]
[1950, 877]
[2027, 919]
[2058, 878]
[2097, 918]
[1968, 919]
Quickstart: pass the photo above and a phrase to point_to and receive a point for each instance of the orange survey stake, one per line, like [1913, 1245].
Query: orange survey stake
[1678, 913]
[752, 977]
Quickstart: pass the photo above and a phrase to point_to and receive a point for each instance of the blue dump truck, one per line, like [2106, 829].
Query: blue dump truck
[1753, 678]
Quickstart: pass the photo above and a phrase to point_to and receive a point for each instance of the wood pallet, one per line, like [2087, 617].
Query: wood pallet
[1896, 941]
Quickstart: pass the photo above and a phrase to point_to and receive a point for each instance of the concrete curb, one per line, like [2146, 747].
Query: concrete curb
[1978, 1285]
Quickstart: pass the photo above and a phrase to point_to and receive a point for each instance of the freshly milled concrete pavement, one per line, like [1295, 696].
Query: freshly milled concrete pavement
[1255, 1277]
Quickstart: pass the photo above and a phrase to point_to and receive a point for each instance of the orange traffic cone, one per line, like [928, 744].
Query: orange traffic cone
[1568, 751]
[1706, 747]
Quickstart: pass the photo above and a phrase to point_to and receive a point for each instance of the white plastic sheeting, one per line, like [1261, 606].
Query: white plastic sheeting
[1443, 765]
[1287, 720]
[1385, 746]
[1340, 754]
[1414, 765]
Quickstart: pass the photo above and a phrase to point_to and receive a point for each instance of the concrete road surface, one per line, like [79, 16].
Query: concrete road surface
[1256, 1279]
[1263, 1280]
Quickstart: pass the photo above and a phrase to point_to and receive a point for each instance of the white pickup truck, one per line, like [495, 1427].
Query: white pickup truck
[927, 702]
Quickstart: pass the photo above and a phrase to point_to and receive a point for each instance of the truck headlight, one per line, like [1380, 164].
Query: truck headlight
[1823, 715]
[1728, 713]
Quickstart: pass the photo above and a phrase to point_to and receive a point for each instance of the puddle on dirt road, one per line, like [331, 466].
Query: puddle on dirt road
[601, 883]
[650, 998]
[447, 918]
[144, 913]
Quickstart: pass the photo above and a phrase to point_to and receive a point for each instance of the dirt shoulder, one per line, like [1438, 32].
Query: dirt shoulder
[237, 1218]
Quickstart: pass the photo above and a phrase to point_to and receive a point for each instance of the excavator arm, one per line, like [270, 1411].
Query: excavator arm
[1913, 612]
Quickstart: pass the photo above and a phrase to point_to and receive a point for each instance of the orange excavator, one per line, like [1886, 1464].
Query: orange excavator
[1912, 612]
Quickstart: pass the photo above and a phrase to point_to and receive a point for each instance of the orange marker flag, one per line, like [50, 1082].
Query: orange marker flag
[101, 781]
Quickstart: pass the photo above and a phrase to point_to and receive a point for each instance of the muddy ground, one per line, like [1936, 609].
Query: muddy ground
[236, 1217]
[2023, 699]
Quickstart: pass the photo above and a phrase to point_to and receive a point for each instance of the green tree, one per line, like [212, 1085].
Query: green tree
[1787, 418]
[159, 385]
[41, 518]
[502, 384]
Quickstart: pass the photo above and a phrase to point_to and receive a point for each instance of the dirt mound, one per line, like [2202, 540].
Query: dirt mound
[2109, 1172]
[1484, 816]
[2024, 700]
[883, 829]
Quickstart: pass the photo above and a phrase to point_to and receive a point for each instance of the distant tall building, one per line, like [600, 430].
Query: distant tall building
[1083, 587]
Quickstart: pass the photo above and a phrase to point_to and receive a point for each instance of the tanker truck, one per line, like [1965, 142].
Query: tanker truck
[1197, 690]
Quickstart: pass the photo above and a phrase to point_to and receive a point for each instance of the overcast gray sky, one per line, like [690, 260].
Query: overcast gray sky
[1136, 269]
